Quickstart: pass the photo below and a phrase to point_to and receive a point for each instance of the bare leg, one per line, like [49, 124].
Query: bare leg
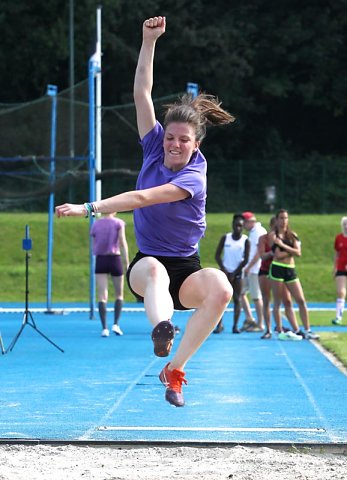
[150, 280]
[296, 291]
[258, 303]
[219, 327]
[118, 283]
[246, 306]
[277, 288]
[288, 308]
[209, 291]
[237, 284]
[102, 288]
[341, 296]
[265, 288]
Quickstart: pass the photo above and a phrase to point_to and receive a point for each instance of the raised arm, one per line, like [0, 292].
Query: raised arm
[153, 28]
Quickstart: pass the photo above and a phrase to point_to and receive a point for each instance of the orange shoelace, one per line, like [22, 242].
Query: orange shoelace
[176, 380]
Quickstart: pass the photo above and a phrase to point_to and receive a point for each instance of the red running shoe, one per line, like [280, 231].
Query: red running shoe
[172, 380]
[163, 336]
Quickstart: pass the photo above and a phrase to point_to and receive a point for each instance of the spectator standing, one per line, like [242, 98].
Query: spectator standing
[285, 245]
[251, 271]
[266, 254]
[232, 255]
[110, 247]
[340, 271]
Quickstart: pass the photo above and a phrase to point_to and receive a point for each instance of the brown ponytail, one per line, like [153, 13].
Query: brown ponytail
[202, 111]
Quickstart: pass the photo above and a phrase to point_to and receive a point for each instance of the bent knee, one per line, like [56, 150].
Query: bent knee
[148, 271]
[266, 302]
[226, 294]
[155, 270]
[287, 304]
[222, 291]
[301, 302]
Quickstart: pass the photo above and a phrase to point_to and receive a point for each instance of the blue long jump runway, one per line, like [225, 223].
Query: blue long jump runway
[241, 389]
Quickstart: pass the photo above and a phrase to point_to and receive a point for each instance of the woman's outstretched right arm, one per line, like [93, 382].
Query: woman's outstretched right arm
[153, 28]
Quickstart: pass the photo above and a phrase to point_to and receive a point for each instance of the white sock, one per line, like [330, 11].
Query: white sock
[340, 306]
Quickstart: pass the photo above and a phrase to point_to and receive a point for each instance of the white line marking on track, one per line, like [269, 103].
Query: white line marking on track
[88, 433]
[309, 395]
[127, 309]
[210, 429]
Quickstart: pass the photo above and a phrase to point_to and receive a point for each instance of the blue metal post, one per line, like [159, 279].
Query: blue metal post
[193, 88]
[52, 92]
[93, 69]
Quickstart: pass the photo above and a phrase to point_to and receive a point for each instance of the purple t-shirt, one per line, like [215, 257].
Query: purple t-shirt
[170, 229]
[105, 233]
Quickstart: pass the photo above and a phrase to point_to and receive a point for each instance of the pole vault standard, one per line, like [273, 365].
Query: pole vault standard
[94, 77]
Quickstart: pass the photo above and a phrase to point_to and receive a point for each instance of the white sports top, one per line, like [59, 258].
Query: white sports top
[234, 251]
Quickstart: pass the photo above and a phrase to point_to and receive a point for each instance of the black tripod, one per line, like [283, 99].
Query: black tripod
[28, 319]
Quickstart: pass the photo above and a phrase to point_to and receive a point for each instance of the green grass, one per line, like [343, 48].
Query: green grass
[336, 343]
[321, 318]
[70, 281]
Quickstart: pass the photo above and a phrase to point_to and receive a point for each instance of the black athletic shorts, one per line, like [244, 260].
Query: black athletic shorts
[178, 269]
[341, 273]
[111, 264]
[282, 272]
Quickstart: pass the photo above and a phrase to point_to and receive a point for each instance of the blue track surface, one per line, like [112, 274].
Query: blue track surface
[241, 389]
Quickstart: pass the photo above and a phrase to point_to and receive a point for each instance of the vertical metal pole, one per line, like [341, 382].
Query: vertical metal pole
[94, 69]
[91, 79]
[282, 194]
[98, 153]
[193, 89]
[72, 90]
[240, 184]
[52, 92]
[324, 178]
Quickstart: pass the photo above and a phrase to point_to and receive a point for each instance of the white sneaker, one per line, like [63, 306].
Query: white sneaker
[289, 336]
[116, 329]
[311, 335]
[105, 332]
